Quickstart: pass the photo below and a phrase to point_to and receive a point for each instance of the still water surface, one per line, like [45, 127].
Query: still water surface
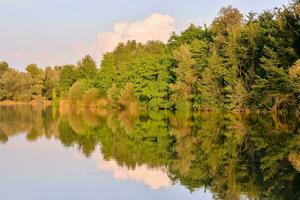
[50, 154]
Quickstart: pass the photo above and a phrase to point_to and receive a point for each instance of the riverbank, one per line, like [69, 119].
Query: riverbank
[30, 103]
[101, 106]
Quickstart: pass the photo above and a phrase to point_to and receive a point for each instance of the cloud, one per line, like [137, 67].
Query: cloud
[154, 27]
[153, 177]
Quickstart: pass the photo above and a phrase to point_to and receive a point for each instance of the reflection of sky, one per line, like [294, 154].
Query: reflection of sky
[155, 178]
[46, 170]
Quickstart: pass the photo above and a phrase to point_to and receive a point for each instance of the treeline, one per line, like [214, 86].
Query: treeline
[237, 63]
[33, 85]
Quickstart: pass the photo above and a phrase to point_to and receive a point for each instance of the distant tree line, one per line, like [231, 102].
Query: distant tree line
[237, 63]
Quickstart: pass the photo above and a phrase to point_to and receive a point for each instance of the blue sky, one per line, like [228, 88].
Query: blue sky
[49, 32]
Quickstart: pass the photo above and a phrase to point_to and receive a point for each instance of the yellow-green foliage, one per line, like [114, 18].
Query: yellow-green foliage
[127, 95]
[90, 97]
[294, 71]
[113, 94]
[76, 92]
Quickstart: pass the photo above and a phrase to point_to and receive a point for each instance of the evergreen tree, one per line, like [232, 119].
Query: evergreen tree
[185, 75]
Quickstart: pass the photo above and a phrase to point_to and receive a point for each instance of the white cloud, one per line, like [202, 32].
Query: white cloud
[154, 27]
[153, 177]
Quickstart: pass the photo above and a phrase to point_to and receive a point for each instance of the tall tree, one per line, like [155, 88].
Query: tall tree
[68, 76]
[51, 83]
[3, 67]
[38, 77]
[87, 67]
[185, 75]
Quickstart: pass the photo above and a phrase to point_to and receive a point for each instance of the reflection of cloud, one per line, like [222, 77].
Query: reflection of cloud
[154, 27]
[16, 146]
[155, 178]
[79, 155]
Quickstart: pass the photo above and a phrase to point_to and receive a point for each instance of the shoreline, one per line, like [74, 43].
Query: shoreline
[30, 103]
[65, 105]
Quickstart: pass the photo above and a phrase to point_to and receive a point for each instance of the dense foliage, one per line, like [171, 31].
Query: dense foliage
[237, 63]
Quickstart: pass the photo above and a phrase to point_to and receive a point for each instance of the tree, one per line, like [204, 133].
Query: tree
[220, 88]
[51, 83]
[90, 97]
[150, 75]
[34, 70]
[3, 67]
[38, 76]
[68, 76]
[87, 68]
[15, 86]
[76, 92]
[294, 71]
[276, 88]
[191, 34]
[113, 95]
[127, 95]
[185, 75]
[229, 19]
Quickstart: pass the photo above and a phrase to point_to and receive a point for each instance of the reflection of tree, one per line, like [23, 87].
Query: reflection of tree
[148, 141]
[80, 129]
[238, 155]
[255, 155]
[3, 136]
[34, 121]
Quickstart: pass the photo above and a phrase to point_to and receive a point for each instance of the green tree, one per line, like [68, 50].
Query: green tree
[87, 68]
[38, 77]
[185, 75]
[68, 76]
[113, 95]
[78, 90]
[51, 83]
[16, 86]
[127, 95]
[3, 67]
[277, 89]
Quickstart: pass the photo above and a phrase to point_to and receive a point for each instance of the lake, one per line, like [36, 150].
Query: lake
[47, 153]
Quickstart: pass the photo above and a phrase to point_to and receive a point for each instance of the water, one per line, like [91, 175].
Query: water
[50, 154]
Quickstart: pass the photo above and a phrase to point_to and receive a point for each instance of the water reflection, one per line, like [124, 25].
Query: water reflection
[154, 177]
[251, 155]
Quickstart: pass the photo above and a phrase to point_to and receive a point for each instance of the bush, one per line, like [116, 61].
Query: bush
[90, 97]
[113, 95]
[76, 92]
[127, 95]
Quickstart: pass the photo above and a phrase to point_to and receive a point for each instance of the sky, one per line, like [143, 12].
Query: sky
[56, 32]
